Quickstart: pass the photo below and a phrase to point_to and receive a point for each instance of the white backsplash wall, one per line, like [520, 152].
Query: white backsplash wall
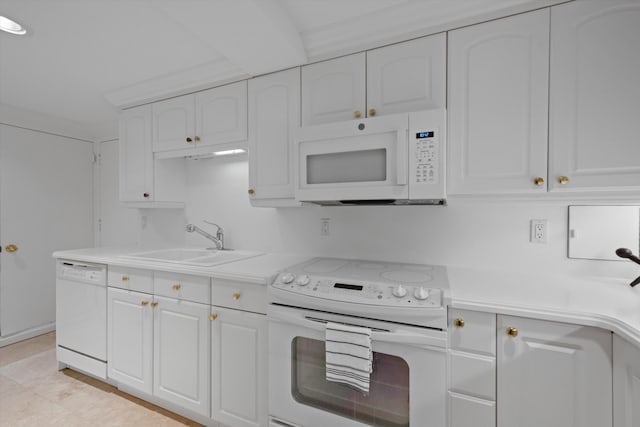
[491, 234]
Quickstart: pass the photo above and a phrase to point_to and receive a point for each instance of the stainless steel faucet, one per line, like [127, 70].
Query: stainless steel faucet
[218, 239]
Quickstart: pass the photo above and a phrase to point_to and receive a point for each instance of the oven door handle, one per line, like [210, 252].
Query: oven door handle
[430, 338]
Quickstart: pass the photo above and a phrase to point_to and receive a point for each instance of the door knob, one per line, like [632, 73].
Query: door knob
[539, 181]
[563, 180]
[458, 323]
[512, 332]
[11, 248]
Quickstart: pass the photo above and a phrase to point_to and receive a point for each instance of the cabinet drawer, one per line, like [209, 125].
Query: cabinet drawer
[239, 295]
[182, 287]
[473, 374]
[132, 279]
[466, 411]
[472, 331]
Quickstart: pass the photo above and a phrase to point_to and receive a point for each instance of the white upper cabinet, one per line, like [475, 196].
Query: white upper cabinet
[136, 156]
[595, 97]
[208, 118]
[174, 123]
[498, 106]
[407, 76]
[334, 90]
[274, 115]
[399, 78]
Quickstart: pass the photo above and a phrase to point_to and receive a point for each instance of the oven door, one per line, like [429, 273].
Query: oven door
[407, 386]
[356, 160]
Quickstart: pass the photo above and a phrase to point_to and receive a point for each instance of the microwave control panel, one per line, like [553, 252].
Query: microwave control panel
[426, 154]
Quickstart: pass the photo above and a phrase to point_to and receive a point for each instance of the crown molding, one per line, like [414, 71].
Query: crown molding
[404, 22]
[204, 76]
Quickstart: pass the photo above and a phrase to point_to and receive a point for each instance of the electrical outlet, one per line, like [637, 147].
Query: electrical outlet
[324, 226]
[539, 231]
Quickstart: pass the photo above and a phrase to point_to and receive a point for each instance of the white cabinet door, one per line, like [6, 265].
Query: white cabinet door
[553, 374]
[334, 90]
[274, 114]
[130, 338]
[626, 383]
[221, 114]
[239, 368]
[594, 96]
[181, 353]
[498, 103]
[173, 123]
[136, 155]
[409, 76]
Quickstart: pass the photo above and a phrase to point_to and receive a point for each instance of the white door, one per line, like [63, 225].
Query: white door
[173, 123]
[406, 77]
[45, 205]
[626, 383]
[130, 338]
[497, 95]
[136, 155]
[239, 368]
[594, 97]
[117, 225]
[274, 115]
[334, 90]
[181, 353]
[553, 374]
[221, 114]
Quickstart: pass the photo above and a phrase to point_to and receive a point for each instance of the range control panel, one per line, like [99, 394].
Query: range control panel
[380, 294]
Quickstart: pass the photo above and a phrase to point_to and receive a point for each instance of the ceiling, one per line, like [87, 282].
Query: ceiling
[83, 59]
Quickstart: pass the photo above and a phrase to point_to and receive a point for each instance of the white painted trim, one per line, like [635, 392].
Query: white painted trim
[210, 74]
[25, 119]
[404, 22]
[25, 335]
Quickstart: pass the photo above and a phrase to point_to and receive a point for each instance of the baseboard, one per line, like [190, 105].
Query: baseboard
[25, 335]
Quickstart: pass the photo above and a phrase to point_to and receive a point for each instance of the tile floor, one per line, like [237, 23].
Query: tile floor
[34, 393]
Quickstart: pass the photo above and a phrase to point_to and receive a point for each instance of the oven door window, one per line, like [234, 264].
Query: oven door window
[386, 405]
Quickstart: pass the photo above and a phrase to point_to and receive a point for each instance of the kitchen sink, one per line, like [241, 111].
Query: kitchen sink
[192, 256]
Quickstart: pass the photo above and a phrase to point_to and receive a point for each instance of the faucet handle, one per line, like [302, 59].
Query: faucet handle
[212, 223]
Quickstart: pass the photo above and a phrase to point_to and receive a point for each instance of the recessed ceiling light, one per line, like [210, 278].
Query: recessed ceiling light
[11, 26]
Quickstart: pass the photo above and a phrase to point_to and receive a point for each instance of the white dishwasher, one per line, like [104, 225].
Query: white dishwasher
[81, 316]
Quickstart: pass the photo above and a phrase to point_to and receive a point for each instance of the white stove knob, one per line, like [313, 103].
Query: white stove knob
[287, 278]
[303, 280]
[399, 291]
[421, 293]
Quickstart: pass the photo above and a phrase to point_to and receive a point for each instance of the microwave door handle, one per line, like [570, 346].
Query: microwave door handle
[401, 156]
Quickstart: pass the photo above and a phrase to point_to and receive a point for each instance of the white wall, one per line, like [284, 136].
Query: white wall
[485, 234]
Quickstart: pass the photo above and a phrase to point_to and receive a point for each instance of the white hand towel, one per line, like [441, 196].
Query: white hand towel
[348, 355]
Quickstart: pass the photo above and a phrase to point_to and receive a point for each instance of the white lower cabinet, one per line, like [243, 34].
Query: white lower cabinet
[239, 367]
[553, 374]
[130, 338]
[181, 353]
[626, 383]
[536, 373]
[160, 346]
[472, 369]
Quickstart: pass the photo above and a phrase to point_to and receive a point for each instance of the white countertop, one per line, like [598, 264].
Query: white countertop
[608, 303]
[259, 268]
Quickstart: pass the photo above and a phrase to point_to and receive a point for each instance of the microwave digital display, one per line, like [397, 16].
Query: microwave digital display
[422, 135]
[348, 286]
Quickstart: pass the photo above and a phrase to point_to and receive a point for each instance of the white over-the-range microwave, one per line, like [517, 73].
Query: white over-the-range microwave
[397, 159]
